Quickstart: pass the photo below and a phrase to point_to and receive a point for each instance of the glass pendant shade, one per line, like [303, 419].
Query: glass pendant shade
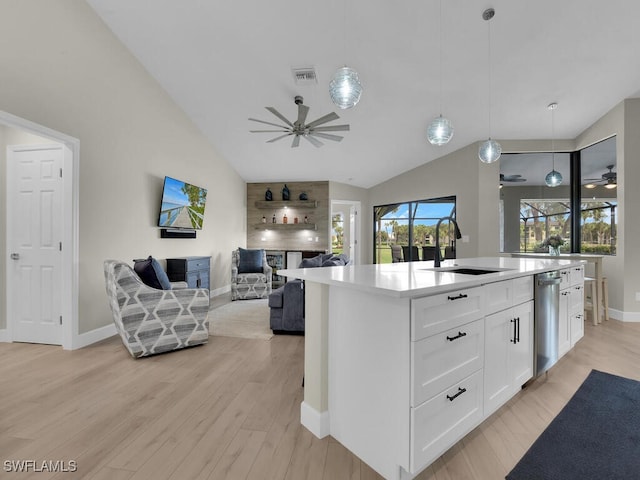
[440, 131]
[489, 151]
[345, 88]
[553, 178]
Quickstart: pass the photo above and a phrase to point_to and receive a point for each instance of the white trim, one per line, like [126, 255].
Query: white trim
[93, 336]
[4, 335]
[219, 291]
[314, 421]
[357, 204]
[70, 235]
[624, 316]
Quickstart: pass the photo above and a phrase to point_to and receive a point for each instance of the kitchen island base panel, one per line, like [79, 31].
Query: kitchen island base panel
[369, 377]
[314, 421]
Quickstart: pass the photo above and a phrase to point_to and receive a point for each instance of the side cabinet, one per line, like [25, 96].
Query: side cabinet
[508, 346]
[571, 322]
[193, 270]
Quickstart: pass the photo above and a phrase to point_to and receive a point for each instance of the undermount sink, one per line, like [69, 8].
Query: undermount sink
[467, 270]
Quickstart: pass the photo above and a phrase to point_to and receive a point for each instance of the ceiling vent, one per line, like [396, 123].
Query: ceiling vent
[305, 75]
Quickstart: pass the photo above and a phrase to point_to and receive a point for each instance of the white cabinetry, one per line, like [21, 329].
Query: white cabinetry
[509, 346]
[571, 321]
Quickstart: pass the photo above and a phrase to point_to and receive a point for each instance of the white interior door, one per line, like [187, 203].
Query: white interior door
[34, 234]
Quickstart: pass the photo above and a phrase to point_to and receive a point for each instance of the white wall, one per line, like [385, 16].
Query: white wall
[63, 69]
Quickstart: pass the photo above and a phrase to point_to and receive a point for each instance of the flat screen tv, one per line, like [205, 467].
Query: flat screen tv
[182, 205]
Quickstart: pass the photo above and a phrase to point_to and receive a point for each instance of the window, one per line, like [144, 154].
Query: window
[409, 229]
[531, 211]
[337, 233]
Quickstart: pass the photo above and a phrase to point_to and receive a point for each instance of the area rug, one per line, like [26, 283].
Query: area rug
[242, 318]
[596, 436]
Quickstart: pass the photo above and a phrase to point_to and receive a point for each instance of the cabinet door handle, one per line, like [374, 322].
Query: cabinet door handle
[460, 335]
[518, 330]
[513, 340]
[462, 295]
[460, 392]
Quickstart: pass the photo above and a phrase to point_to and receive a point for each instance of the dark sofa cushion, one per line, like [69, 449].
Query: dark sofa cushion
[250, 261]
[336, 261]
[311, 262]
[151, 273]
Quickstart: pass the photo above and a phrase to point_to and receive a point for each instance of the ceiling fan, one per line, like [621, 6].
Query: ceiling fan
[608, 179]
[309, 131]
[512, 178]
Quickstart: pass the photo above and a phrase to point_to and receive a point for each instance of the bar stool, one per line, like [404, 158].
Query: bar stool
[590, 288]
[605, 297]
[590, 293]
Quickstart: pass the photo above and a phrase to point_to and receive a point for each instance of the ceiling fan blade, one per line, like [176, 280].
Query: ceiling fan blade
[302, 114]
[296, 141]
[327, 118]
[278, 138]
[314, 141]
[267, 123]
[332, 128]
[279, 115]
[335, 138]
[264, 131]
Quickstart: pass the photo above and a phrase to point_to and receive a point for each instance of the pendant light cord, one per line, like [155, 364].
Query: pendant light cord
[440, 49]
[489, 61]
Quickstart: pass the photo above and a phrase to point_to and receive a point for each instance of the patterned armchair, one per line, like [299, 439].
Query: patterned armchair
[152, 321]
[255, 284]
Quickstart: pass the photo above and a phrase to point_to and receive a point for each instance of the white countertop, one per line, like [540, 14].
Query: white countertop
[419, 278]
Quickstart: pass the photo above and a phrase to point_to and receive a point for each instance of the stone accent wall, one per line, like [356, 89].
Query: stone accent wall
[289, 236]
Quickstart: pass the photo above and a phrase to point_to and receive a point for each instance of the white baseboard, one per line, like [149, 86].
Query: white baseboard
[219, 291]
[93, 336]
[624, 316]
[316, 422]
[4, 335]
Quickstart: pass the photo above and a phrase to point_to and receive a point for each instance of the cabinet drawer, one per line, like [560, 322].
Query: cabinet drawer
[439, 313]
[197, 264]
[565, 278]
[444, 419]
[446, 358]
[576, 298]
[522, 289]
[576, 275]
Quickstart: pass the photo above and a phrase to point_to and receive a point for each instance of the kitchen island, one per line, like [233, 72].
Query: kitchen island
[402, 360]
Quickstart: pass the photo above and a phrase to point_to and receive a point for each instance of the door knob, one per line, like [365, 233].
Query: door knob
[15, 256]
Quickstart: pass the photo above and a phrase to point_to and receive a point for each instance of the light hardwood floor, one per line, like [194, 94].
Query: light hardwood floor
[230, 410]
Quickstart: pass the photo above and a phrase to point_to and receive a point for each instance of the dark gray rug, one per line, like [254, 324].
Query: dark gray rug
[596, 436]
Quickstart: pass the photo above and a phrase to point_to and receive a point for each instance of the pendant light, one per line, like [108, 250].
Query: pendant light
[553, 178]
[489, 150]
[440, 130]
[345, 87]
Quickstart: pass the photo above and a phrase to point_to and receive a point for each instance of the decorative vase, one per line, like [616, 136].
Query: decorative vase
[285, 192]
[303, 196]
[554, 250]
[268, 195]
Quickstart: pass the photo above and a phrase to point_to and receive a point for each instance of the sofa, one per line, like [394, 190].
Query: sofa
[287, 302]
[153, 320]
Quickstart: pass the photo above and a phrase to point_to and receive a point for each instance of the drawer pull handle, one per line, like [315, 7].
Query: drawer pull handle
[462, 295]
[460, 335]
[460, 392]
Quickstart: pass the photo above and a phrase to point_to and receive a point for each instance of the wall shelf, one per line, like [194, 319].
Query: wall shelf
[285, 226]
[264, 204]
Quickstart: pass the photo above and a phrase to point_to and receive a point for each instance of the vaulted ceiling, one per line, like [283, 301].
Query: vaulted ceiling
[224, 61]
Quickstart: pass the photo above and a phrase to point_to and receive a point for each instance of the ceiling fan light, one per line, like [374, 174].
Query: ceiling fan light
[489, 151]
[345, 88]
[610, 185]
[440, 131]
[553, 178]
[590, 185]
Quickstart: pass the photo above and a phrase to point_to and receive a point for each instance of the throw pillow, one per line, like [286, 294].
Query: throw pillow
[250, 261]
[151, 273]
[312, 262]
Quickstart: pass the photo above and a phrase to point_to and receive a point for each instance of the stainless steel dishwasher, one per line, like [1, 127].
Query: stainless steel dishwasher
[546, 320]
